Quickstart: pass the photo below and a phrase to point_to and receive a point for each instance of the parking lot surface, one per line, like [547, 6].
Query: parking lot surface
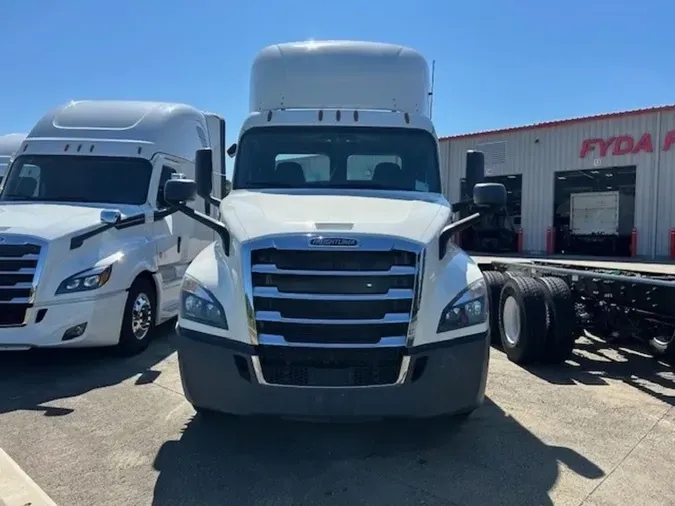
[92, 429]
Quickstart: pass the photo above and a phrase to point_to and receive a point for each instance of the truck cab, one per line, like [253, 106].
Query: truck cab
[8, 145]
[91, 254]
[334, 288]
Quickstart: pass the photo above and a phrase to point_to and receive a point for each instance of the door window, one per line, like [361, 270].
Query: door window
[167, 172]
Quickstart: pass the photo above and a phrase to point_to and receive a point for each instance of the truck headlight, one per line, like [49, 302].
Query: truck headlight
[200, 305]
[91, 279]
[468, 308]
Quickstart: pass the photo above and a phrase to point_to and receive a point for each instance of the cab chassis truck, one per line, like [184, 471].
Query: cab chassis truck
[538, 308]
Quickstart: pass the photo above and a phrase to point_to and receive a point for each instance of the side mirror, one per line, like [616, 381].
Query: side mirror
[111, 216]
[203, 173]
[179, 191]
[232, 150]
[489, 195]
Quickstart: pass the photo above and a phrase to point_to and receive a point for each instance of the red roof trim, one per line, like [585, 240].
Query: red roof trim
[571, 121]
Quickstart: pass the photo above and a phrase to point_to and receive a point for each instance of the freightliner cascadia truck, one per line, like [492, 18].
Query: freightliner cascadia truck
[90, 252]
[334, 288]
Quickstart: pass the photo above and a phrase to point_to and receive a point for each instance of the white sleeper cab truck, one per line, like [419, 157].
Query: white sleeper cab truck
[90, 252]
[335, 293]
[8, 145]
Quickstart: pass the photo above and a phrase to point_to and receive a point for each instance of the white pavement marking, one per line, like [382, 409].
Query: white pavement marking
[17, 488]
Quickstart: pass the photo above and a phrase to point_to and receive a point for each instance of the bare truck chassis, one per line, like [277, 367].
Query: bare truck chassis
[538, 308]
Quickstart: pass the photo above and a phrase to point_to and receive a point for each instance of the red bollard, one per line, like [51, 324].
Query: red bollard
[520, 240]
[633, 243]
[550, 240]
[672, 243]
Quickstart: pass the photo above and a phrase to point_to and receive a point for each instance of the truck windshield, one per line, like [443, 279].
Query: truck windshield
[337, 157]
[3, 168]
[64, 178]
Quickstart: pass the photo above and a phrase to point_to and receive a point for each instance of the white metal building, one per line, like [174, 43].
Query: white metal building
[632, 151]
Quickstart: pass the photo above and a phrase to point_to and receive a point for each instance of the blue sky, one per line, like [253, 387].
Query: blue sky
[498, 62]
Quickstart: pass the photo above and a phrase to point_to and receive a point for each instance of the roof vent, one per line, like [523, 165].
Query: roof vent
[495, 152]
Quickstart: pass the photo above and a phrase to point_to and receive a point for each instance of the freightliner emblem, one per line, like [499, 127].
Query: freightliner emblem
[334, 242]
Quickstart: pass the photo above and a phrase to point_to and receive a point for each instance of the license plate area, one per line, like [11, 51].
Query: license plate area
[322, 367]
[330, 376]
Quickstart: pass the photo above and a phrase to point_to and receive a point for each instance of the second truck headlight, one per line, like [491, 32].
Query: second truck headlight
[200, 305]
[468, 308]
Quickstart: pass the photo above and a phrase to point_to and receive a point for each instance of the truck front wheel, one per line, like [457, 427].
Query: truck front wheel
[138, 323]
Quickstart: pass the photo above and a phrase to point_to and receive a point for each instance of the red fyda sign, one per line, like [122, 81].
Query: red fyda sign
[624, 144]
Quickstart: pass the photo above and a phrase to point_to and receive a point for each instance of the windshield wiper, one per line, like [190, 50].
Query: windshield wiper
[17, 197]
[356, 185]
[49, 199]
[359, 185]
[271, 184]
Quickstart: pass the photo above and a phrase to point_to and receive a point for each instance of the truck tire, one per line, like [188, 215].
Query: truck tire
[138, 323]
[494, 282]
[560, 332]
[663, 347]
[522, 320]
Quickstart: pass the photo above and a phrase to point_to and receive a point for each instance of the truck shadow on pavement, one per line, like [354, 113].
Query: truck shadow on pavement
[595, 361]
[489, 459]
[29, 379]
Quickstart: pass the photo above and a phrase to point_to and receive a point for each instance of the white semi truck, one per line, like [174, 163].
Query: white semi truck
[90, 252]
[8, 145]
[340, 294]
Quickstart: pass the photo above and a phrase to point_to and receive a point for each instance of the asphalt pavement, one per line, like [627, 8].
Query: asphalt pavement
[93, 429]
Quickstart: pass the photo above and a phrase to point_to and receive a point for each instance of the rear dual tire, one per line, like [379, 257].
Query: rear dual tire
[533, 319]
[494, 281]
[522, 320]
[561, 325]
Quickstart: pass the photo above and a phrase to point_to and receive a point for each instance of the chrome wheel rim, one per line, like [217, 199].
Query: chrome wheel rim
[141, 316]
[511, 319]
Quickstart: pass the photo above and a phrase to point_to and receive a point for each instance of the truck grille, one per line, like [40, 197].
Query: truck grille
[332, 299]
[18, 268]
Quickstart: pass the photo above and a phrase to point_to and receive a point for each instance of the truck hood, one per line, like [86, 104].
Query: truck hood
[47, 221]
[412, 215]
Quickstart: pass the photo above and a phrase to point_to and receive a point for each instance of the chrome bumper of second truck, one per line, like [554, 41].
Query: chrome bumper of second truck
[440, 379]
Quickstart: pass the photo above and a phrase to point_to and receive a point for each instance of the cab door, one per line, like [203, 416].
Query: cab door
[170, 231]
